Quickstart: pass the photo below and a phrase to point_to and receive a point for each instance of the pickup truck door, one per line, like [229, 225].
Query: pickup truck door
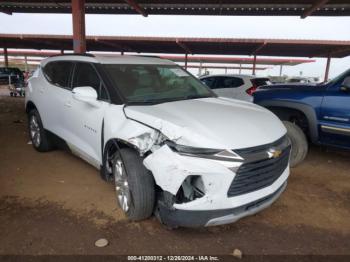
[85, 121]
[335, 116]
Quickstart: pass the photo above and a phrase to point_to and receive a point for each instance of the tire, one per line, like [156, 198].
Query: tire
[299, 143]
[106, 170]
[43, 143]
[141, 195]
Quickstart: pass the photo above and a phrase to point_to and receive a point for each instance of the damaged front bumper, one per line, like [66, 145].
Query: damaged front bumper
[197, 218]
[228, 190]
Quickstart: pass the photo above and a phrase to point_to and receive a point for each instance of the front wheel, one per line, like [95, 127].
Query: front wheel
[134, 185]
[298, 141]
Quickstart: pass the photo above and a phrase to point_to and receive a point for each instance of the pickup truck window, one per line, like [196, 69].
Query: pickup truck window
[339, 79]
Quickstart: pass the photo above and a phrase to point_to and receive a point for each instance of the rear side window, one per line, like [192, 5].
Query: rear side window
[260, 82]
[86, 75]
[229, 82]
[209, 81]
[58, 73]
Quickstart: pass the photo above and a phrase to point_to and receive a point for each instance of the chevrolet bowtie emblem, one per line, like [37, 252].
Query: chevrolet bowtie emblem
[274, 153]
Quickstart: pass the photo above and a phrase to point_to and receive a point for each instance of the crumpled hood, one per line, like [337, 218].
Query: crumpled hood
[211, 122]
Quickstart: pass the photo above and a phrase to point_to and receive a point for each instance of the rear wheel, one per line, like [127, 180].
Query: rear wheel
[134, 185]
[298, 141]
[38, 135]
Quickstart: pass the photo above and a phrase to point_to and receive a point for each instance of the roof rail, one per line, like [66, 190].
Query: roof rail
[150, 56]
[70, 54]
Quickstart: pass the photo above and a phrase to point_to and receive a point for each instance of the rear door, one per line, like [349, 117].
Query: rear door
[335, 115]
[53, 91]
[84, 121]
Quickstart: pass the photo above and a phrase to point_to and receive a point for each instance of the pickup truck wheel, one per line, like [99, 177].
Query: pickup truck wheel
[38, 135]
[298, 141]
[134, 185]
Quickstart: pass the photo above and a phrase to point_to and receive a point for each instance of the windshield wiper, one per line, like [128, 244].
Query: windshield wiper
[189, 97]
[165, 100]
[152, 102]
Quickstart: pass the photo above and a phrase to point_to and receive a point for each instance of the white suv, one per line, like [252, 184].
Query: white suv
[170, 145]
[239, 87]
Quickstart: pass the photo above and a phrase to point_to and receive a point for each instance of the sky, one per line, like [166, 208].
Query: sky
[320, 28]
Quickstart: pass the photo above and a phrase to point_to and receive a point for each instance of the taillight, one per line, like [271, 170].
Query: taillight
[251, 90]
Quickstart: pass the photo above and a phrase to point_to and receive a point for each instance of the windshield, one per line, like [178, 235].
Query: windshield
[155, 83]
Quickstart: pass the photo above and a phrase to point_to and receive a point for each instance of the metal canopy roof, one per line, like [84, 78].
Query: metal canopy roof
[180, 45]
[238, 60]
[36, 61]
[178, 58]
[301, 8]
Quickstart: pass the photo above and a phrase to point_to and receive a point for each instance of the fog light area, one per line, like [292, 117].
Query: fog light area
[191, 189]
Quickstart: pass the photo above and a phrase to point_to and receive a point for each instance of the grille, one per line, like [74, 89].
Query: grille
[259, 170]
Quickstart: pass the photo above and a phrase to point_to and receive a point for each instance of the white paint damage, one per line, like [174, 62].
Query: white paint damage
[204, 123]
[211, 122]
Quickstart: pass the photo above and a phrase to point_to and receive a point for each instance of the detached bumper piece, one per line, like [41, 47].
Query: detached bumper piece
[188, 218]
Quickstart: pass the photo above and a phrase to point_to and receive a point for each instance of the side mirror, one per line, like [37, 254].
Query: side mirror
[345, 86]
[86, 94]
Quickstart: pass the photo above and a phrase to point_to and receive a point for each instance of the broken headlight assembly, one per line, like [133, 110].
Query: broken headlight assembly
[224, 156]
[193, 186]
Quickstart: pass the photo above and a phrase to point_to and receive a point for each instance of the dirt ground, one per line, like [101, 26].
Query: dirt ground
[54, 203]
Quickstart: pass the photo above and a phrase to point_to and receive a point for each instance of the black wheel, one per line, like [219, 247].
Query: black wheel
[299, 143]
[11, 94]
[38, 135]
[134, 184]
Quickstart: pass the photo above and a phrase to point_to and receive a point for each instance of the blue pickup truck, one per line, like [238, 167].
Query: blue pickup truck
[318, 113]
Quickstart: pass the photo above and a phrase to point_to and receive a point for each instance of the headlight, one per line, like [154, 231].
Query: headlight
[214, 154]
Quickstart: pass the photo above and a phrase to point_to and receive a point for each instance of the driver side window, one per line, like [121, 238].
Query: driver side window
[86, 75]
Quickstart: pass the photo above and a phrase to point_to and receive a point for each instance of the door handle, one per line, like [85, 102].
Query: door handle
[68, 104]
[41, 90]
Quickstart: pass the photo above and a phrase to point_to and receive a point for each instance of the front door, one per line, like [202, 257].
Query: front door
[335, 115]
[84, 121]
